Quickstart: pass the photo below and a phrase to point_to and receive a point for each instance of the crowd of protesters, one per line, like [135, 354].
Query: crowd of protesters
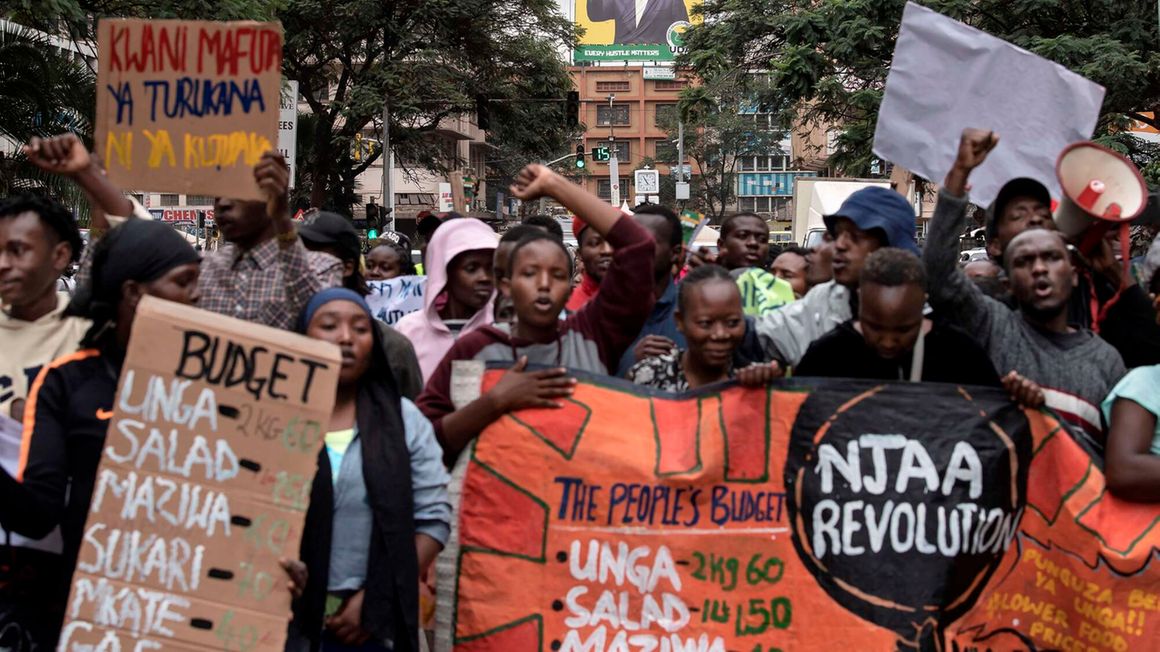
[631, 303]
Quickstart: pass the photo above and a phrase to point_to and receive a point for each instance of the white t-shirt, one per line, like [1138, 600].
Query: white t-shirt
[28, 346]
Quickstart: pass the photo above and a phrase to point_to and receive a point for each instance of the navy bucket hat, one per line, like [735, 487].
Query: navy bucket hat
[879, 208]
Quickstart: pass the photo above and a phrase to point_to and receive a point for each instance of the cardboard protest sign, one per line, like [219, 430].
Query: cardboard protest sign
[395, 298]
[187, 106]
[947, 76]
[203, 485]
[806, 515]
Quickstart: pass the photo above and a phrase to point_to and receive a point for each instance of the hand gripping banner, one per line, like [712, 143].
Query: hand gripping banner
[829, 515]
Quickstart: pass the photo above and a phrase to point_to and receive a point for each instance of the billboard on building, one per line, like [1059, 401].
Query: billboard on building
[630, 30]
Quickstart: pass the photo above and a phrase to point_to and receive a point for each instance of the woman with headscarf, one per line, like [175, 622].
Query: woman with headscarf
[379, 512]
[71, 401]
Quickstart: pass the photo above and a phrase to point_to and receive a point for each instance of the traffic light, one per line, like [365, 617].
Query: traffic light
[372, 234]
[580, 157]
[572, 109]
[601, 154]
[372, 216]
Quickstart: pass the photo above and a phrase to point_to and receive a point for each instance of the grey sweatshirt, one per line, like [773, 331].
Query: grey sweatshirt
[1076, 370]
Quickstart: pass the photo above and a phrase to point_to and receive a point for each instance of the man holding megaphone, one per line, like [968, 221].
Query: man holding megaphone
[1102, 191]
[1075, 367]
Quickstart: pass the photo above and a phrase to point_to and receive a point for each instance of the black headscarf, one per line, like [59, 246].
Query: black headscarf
[391, 592]
[138, 250]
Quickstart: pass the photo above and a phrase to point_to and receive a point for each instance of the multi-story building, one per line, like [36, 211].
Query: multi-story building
[765, 179]
[625, 108]
[416, 189]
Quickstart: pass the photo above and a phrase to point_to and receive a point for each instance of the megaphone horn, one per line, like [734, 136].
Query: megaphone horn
[1100, 187]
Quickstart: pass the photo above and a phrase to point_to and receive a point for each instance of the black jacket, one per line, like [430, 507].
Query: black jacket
[69, 404]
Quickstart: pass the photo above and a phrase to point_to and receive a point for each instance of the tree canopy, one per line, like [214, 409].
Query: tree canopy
[828, 60]
[431, 61]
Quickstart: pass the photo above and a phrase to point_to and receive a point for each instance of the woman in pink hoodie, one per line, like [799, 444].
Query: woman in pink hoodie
[460, 290]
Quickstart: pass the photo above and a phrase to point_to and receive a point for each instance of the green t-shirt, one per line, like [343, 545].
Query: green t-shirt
[761, 291]
[1141, 385]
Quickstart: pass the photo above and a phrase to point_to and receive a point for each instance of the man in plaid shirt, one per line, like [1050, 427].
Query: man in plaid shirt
[263, 274]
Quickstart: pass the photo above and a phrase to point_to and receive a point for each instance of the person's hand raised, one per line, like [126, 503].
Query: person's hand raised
[533, 182]
[64, 154]
[273, 178]
[974, 145]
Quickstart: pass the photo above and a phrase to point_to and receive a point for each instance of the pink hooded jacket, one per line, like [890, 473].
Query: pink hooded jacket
[426, 330]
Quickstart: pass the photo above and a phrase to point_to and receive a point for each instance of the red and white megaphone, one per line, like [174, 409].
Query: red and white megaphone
[1100, 189]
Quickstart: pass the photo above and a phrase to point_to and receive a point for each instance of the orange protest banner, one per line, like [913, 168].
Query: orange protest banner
[187, 106]
[203, 486]
[828, 515]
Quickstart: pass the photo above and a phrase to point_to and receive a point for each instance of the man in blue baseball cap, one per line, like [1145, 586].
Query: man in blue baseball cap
[869, 219]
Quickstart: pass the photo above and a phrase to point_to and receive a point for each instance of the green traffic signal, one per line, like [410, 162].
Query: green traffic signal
[372, 234]
[580, 163]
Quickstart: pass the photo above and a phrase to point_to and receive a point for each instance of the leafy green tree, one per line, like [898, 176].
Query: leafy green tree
[717, 135]
[828, 60]
[431, 61]
[44, 92]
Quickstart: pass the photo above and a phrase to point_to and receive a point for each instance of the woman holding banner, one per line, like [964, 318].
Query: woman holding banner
[379, 512]
[68, 412]
[711, 317]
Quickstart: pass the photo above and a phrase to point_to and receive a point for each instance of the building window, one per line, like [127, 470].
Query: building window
[622, 148]
[169, 200]
[614, 115]
[670, 84]
[777, 207]
[612, 87]
[831, 141]
[666, 151]
[604, 189]
[774, 163]
[198, 200]
[666, 115]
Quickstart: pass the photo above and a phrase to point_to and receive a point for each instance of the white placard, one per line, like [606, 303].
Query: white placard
[395, 298]
[947, 76]
[446, 199]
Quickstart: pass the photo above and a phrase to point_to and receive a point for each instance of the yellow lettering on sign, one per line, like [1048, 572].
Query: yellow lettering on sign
[224, 150]
[119, 148]
[160, 145]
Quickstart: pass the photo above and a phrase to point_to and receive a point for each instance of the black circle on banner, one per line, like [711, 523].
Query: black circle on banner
[880, 478]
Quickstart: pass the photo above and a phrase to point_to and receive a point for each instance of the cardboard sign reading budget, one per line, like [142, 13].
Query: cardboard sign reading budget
[203, 485]
[187, 106]
[827, 515]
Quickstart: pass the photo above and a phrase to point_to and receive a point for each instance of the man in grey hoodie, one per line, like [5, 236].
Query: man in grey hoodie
[1073, 365]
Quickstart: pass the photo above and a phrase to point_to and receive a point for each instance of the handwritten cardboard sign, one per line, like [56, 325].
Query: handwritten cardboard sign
[835, 515]
[393, 299]
[187, 106]
[203, 485]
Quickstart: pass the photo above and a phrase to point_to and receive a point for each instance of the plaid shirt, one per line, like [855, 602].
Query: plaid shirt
[269, 284]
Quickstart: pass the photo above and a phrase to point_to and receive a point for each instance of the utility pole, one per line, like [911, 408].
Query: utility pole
[682, 182]
[613, 163]
[388, 198]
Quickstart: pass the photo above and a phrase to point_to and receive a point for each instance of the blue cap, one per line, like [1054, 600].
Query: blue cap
[879, 208]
